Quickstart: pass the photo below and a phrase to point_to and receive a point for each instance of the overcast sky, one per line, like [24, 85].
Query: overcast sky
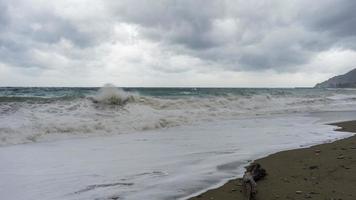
[232, 43]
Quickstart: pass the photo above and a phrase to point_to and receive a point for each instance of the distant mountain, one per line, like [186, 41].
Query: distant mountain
[347, 80]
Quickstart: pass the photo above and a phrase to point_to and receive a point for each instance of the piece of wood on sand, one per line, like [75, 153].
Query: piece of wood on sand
[253, 173]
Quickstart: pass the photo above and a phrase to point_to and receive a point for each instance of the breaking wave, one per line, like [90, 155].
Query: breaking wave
[111, 95]
[116, 111]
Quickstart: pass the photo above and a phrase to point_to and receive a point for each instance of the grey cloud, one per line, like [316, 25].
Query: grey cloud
[233, 34]
[336, 17]
[335, 21]
[3, 14]
[48, 28]
[19, 36]
[191, 25]
[52, 29]
[184, 22]
[15, 54]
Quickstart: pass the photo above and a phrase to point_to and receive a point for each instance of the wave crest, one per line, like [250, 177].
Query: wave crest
[111, 95]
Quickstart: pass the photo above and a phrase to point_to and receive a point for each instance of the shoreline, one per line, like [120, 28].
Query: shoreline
[323, 171]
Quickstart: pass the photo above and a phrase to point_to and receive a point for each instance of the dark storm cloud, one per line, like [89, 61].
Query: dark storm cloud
[192, 24]
[52, 29]
[3, 13]
[15, 53]
[184, 22]
[22, 32]
[235, 35]
[337, 18]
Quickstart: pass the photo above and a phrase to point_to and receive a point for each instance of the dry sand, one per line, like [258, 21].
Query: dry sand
[322, 172]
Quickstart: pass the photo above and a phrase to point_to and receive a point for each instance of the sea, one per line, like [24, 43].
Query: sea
[152, 143]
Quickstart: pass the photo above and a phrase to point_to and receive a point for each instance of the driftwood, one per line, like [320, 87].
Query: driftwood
[254, 172]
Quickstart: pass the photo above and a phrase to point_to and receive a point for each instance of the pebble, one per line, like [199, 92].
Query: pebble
[313, 167]
[343, 166]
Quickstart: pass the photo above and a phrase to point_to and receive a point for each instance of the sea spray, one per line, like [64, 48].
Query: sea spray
[111, 95]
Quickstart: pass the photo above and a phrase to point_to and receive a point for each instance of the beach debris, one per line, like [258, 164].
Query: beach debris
[340, 157]
[298, 192]
[254, 172]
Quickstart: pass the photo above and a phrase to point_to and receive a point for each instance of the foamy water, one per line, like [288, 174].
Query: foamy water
[40, 114]
[160, 164]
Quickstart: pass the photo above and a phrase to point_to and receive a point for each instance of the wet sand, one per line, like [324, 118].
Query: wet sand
[321, 172]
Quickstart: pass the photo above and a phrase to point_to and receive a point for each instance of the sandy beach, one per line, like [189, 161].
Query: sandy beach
[323, 172]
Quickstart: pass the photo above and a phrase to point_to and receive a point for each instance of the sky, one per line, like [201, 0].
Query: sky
[176, 43]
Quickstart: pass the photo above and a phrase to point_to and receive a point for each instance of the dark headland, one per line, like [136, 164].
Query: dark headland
[321, 172]
[347, 80]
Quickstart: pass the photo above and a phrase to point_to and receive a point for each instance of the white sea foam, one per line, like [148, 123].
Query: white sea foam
[111, 95]
[113, 111]
[157, 165]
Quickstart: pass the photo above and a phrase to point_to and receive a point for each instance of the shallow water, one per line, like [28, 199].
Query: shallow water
[158, 164]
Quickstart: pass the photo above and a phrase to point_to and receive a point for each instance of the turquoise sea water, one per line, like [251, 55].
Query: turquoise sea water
[21, 93]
